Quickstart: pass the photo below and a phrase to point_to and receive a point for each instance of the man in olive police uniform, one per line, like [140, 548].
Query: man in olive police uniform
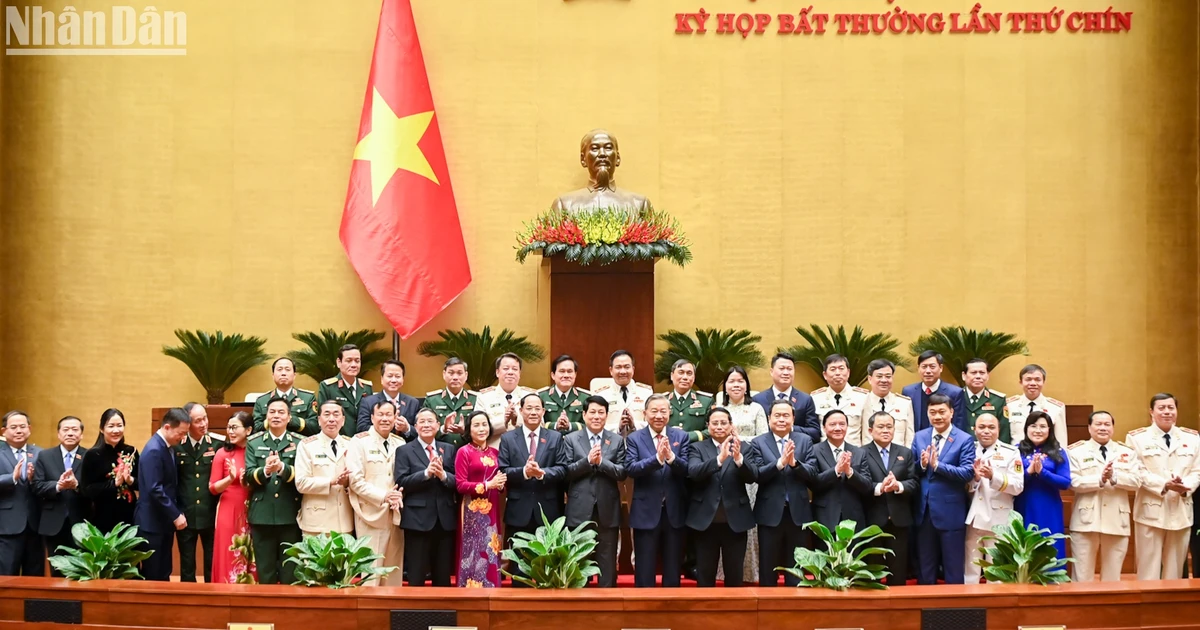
[346, 387]
[274, 500]
[562, 401]
[302, 402]
[981, 399]
[195, 457]
[454, 399]
[689, 407]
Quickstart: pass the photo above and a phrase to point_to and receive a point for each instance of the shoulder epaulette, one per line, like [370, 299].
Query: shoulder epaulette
[487, 389]
[471, 392]
[861, 390]
[298, 436]
[1191, 431]
[308, 439]
[433, 393]
[267, 396]
[583, 391]
[1055, 402]
[644, 385]
[305, 391]
[902, 396]
[604, 387]
[995, 393]
[217, 436]
[818, 391]
[1012, 398]
[700, 393]
[363, 381]
[544, 389]
[1121, 444]
[363, 434]
[332, 380]
[1005, 446]
[1136, 431]
[254, 436]
[1076, 444]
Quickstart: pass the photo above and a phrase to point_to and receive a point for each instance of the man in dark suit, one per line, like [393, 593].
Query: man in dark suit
[21, 551]
[838, 490]
[786, 468]
[56, 484]
[535, 460]
[392, 379]
[597, 465]
[425, 472]
[946, 458]
[929, 366]
[804, 411]
[157, 514]
[891, 470]
[719, 513]
[656, 459]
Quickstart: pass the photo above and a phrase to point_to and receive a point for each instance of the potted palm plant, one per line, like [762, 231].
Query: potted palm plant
[1022, 554]
[334, 560]
[554, 556]
[318, 360]
[958, 344]
[101, 556]
[712, 351]
[480, 351]
[217, 360]
[858, 347]
[845, 562]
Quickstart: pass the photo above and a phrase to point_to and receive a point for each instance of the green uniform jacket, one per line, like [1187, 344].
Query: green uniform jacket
[274, 499]
[198, 505]
[334, 388]
[690, 413]
[442, 404]
[554, 406]
[302, 404]
[989, 402]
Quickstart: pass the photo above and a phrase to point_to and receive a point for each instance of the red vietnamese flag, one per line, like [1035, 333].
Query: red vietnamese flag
[400, 226]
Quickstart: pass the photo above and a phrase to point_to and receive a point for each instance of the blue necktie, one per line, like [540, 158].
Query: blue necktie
[782, 443]
[67, 459]
[884, 455]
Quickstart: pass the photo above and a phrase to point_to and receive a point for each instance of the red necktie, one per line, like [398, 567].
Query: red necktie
[532, 444]
[928, 391]
[430, 449]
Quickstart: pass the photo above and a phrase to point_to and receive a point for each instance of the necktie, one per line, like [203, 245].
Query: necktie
[386, 446]
[781, 396]
[1104, 452]
[624, 393]
[532, 444]
[70, 457]
[883, 405]
[782, 443]
[937, 443]
[837, 400]
[1032, 406]
[928, 392]
[564, 400]
[508, 398]
[1167, 439]
[21, 463]
[429, 449]
[333, 447]
[883, 454]
[974, 398]
[837, 452]
[595, 441]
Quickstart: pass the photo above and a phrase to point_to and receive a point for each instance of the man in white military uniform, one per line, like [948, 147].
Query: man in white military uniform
[1033, 379]
[1103, 473]
[839, 395]
[626, 398]
[501, 401]
[999, 476]
[880, 373]
[1162, 511]
[374, 495]
[322, 478]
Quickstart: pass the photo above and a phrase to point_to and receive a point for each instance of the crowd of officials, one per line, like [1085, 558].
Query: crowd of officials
[722, 485]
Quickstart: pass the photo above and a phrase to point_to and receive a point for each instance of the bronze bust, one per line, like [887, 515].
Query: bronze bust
[598, 153]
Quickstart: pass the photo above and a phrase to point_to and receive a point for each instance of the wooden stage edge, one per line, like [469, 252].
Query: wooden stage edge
[1165, 605]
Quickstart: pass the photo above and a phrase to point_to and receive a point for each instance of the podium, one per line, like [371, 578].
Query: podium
[597, 309]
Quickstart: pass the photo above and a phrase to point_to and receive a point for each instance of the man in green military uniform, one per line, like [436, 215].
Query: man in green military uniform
[689, 407]
[302, 402]
[981, 400]
[195, 457]
[346, 387]
[274, 501]
[452, 404]
[562, 401]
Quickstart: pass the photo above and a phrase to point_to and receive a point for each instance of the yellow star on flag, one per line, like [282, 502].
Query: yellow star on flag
[391, 145]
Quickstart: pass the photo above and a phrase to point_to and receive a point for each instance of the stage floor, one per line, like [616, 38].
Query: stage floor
[1166, 605]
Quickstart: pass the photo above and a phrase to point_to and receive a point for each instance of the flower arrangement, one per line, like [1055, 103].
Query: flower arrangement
[122, 476]
[605, 236]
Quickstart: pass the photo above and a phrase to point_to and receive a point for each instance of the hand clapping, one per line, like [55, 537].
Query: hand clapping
[533, 470]
[436, 468]
[562, 424]
[273, 464]
[663, 451]
[1035, 463]
[890, 484]
[842, 467]
[1107, 474]
[497, 482]
[451, 426]
[395, 498]
[594, 455]
[626, 426]
[510, 414]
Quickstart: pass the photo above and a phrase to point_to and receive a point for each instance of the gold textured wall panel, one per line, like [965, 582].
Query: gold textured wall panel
[1038, 184]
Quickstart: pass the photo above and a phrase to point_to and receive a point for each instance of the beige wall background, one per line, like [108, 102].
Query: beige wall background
[1044, 185]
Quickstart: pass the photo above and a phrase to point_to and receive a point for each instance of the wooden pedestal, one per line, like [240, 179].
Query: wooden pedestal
[595, 310]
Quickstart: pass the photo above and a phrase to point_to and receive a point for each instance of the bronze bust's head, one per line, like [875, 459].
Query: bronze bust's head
[598, 153]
